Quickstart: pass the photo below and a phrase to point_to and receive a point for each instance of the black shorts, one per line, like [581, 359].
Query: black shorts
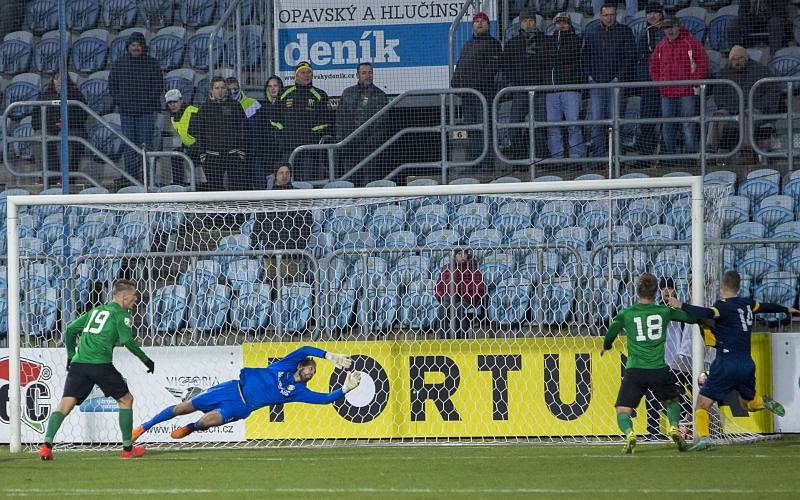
[637, 381]
[82, 377]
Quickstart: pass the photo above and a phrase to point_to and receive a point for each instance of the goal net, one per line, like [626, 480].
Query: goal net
[475, 313]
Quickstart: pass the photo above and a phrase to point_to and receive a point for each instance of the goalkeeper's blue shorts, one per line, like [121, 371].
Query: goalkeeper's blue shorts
[226, 398]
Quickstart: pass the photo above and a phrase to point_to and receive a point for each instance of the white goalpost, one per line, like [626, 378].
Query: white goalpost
[235, 279]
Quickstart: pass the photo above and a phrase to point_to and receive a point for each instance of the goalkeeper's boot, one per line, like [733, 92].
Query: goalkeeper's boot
[137, 432]
[676, 437]
[46, 451]
[135, 452]
[180, 432]
[630, 444]
[702, 445]
[773, 406]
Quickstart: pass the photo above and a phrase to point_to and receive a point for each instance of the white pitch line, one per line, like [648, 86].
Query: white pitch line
[176, 456]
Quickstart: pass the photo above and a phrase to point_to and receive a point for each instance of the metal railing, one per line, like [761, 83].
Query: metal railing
[43, 137]
[792, 83]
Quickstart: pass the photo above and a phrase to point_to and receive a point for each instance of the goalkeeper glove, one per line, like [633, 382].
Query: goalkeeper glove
[151, 366]
[351, 381]
[69, 362]
[339, 360]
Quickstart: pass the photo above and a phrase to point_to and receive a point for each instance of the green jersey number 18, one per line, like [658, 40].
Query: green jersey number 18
[96, 321]
[653, 324]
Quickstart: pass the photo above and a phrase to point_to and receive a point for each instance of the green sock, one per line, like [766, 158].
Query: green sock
[56, 418]
[674, 413]
[126, 425]
[624, 422]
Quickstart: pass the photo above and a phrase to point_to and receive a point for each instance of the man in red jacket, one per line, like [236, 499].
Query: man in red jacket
[462, 296]
[678, 57]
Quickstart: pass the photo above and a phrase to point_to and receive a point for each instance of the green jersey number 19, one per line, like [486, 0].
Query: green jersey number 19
[96, 321]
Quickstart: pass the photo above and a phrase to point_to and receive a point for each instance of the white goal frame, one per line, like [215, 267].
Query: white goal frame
[695, 183]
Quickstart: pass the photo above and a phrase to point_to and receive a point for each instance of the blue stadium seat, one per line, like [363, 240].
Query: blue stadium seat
[784, 66]
[456, 201]
[52, 227]
[333, 272]
[399, 240]
[760, 184]
[24, 87]
[251, 309]
[553, 305]
[723, 177]
[236, 244]
[642, 212]
[378, 311]
[46, 53]
[209, 308]
[82, 15]
[31, 246]
[572, 237]
[485, 238]
[183, 80]
[509, 302]
[718, 28]
[539, 266]
[106, 269]
[252, 46]
[243, 271]
[203, 274]
[672, 263]
[386, 219]
[556, 214]
[789, 229]
[90, 50]
[41, 16]
[429, 218]
[356, 241]
[695, 25]
[167, 47]
[775, 210]
[381, 183]
[95, 91]
[38, 275]
[496, 268]
[197, 13]
[167, 308]
[778, 288]
[321, 244]
[758, 261]
[134, 229]
[197, 48]
[747, 231]
[736, 209]
[419, 307]
[617, 234]
[527, 237]
[512, 217]
[411, 269]
[337, 306]
[246, 8]
[344, 220]
[118, 14]
[104, 139]
[22, 149]
[38, 311]
[471, 217]
[792, 263]
[657, 232]
[442, 238]
[26, 225]
[594, 216]
[95, 226]
[75, 246]
[626, 263]
[117, 48]
[296, 302]
[371, 271]
[155, 13]
[791, 187]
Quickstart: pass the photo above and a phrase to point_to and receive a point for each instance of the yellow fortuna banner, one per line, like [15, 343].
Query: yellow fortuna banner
[473, 388]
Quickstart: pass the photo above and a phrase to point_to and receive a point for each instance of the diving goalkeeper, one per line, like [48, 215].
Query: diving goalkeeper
[283, 381]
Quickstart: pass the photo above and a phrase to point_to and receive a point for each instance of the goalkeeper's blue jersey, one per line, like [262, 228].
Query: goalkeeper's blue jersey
[275, 384]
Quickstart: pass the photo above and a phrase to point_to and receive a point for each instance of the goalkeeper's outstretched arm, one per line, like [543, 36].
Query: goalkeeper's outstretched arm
[305, 395]
[289, 362]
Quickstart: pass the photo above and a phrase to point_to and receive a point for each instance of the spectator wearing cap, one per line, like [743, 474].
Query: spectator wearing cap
[221, 131]
[679, 56]
[609, 55]
[137, 85]
[180, 116]
[744, 72]
[524, 65]
[563, 50]
[357, 105]
[267, 148]
[305, 118]
[650, 107]
[477, 69]
[761, 16]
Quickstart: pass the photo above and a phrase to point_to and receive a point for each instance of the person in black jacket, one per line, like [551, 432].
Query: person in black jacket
[267, 147]
[477, 69]
[650, 107]
[305, 118]
[524, 65]
[563, 50]
[282, 229]
[220, 128]
[52, 123]
[137, 85]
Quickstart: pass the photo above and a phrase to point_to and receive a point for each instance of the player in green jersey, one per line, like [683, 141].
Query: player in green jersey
[100, 330]
[645, 324]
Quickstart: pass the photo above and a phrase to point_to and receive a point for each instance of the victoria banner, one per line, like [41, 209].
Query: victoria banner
[405, 40]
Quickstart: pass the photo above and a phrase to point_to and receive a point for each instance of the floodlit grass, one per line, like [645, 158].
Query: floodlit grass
[760, 470]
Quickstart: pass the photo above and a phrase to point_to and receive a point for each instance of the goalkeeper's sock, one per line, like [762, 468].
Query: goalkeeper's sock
[126, 426]
[674, 413]
[56, 418]
[701, 422]
[164, 415]
[756, 404]
[194, 426]
[624, 422]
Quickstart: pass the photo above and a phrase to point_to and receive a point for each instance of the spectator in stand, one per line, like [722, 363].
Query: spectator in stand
[679, 56]
[137, 85]
[609, 55]
[180, 116]
[282, 230]
[524, 64]
[254, 173]
[52, 124]
[357, 105]
[650, 106]
[631, 7]
[761, 16]
[744, 72]
[221, 131]
[305, 118]
[477, 69]
[267, 148]
[461, 294]
[282, 178]
[563, 49]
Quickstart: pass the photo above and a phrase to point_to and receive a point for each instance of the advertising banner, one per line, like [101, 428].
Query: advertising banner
[405, 40]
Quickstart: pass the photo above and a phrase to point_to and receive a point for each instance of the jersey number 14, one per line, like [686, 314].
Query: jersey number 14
[653, 324]
[96, 321]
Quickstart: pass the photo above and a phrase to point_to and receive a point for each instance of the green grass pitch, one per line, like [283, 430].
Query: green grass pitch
[759, 470]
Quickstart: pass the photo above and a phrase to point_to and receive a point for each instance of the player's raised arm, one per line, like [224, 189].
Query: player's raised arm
[289, 362]
[126, 339]
[769, 307]
[694, 311]
[305, 395]
[614, 328]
